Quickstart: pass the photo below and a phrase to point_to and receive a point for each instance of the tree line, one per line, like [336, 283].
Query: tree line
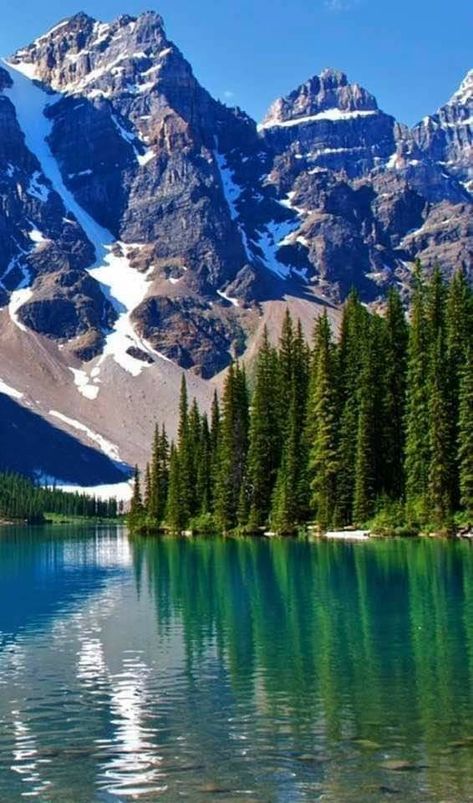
[374, 426]
[22, 499]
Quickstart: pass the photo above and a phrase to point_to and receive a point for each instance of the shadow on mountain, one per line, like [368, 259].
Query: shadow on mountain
[32, 446]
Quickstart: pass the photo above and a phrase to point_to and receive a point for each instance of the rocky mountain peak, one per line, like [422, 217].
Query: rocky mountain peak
[447, 136]
[329, 94]
[81, 55]
[464, 94]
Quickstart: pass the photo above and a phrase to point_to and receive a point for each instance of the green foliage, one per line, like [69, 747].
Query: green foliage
[375, 429]
[25, 500]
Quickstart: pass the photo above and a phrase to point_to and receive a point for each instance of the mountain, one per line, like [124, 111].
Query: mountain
[147, 229]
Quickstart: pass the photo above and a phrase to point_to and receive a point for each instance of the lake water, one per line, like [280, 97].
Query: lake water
[227, 670]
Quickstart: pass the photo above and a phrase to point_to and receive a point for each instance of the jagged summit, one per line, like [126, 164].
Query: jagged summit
[464, 93]
[329, 94]
[148, 228]
[446, 137]
[78, 54]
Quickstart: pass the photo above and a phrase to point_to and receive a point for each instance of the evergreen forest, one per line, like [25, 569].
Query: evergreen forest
[372, 428]
[22, 499]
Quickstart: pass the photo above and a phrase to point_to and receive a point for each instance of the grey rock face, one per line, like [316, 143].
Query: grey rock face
[364, 185]
[447, 136]
[189, 332]
[332, 124]
[37, 237]
[329, 190]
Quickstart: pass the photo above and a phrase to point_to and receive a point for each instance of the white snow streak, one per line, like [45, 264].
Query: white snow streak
[233, 301]
[9, 391]
[124, 286]
[232, 192]
[334, 115]
[104, 445]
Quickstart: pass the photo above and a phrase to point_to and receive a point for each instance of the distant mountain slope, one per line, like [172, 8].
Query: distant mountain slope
[147, 228]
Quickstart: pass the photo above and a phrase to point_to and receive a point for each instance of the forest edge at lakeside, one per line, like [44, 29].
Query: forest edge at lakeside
[374, 430]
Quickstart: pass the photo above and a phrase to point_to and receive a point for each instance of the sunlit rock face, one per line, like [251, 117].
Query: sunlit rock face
[447, 136]
[150, 220]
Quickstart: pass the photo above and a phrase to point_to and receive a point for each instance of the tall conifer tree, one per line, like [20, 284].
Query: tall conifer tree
[322, 426]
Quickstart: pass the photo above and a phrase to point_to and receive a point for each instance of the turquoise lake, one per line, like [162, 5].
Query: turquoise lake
[234, 670]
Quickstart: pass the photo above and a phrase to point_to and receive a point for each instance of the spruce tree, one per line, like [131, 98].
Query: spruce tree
[176, 516]
[147, 488]
[417, 402]
[353, 332]
[459, 340]
[368, 433]
[187, 489]
[322, 426]
[394, 366]
[153, 502]
[214, 445]
[441, 448]
[204, 468]
[136, 504]
[265, 442]
[465, 435]
[232, 448]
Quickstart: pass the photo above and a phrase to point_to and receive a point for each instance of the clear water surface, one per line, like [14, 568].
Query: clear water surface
[228, 670]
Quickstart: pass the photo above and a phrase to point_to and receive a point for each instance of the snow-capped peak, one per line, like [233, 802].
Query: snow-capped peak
[464, 93]
[326, 96]
[83, 56]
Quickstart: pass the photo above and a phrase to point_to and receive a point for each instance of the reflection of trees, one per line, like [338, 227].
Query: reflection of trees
[341, 642]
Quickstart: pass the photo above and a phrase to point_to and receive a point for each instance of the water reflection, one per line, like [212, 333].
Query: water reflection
[357, 658]
[245, 670]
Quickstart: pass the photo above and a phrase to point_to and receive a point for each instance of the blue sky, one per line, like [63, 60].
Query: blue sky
[411, 54]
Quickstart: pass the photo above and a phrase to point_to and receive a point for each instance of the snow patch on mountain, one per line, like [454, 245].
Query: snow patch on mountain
[81, 380]
[104, 445]
[270, 241]
[464, 93]
[232, 192]
[9, 391]
[333, 115]
[123, 285]
[128, 136]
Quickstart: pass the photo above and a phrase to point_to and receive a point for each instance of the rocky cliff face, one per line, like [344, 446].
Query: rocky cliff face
[370, 194]
[148, 220]
[447, 136]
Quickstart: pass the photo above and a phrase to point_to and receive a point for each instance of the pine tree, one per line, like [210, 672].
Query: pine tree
[153, 501]
[285, 367]
[187, 488]
[192, 456]
[465, 435]
[147, 489]
[367, 437]
[214, 446]
[459, 340]
[204, 468]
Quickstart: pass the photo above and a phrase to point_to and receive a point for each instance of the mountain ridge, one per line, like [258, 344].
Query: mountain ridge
[152, 229]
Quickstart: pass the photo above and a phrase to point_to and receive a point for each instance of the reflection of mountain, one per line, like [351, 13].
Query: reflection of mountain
[55, 575]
